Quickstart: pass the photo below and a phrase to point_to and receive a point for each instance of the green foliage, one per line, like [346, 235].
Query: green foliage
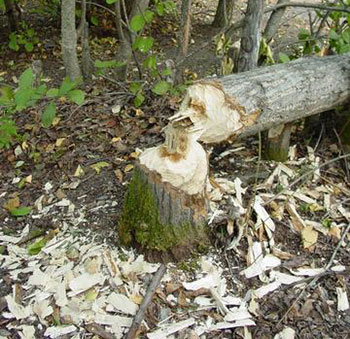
[283, 57]
[27, 95]
[49, 114]
[136, 89]
[36, 247]
[144, 44]
[161, 87]
[265, 53]
[20, 211]
[26, 37]
[338, 38]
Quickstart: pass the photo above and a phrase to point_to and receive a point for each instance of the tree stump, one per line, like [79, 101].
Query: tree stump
[165, 209]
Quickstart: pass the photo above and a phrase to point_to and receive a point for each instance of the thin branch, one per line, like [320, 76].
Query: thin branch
[145, 302]
[307, 5]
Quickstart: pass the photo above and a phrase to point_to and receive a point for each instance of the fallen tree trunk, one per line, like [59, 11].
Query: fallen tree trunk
[243, 104]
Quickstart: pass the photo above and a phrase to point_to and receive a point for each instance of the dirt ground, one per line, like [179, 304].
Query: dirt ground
[93, 134]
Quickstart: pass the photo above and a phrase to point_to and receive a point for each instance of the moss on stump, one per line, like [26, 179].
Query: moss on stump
[160, 220]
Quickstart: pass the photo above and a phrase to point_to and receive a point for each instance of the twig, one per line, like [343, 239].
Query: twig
[306, 175]
[342, 149]
[99, 331]
[145, 302]
[338, 246]
[307, 5]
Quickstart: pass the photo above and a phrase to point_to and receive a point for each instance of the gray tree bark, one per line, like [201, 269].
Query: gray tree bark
[124, 52]
[185, 27]
[138, 7]
[274, 21]
[251, 35]
[223, 13]
[69, 40]
[254, 101]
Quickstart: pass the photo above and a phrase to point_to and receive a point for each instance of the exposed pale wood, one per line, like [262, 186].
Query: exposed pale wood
[243, 104]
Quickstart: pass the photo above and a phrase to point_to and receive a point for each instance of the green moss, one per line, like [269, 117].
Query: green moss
[140, 222]
[276, 154]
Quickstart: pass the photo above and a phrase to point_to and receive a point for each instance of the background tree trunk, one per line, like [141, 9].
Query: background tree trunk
[138, 7]
[11, 17]
[185, 27]
[223, 13]
[124, 53]
[244, 104]
[69, 40]
[251, 36]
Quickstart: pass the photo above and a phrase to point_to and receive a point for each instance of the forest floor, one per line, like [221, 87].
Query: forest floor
[279, 281]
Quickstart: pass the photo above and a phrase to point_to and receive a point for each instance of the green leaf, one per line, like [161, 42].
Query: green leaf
[24, 97]
[109, 2]
[2, 6]
[26, 79]
[150, 62]
[52, 92]
[6, 95]
[148, 15]
[77, 96]
[160, 7]
[35, 248]
[66, 86]
[94, 20]
[161, 87]
[30, 32]
[137, 23]
[135, 87]
[303, 34]
[29, 46]
[20, 211]
[346, 35]
[167, 72]
[283, 57]
[48, 115]
[334, 35]
[13, 42]
[143, 44]
[139, 99]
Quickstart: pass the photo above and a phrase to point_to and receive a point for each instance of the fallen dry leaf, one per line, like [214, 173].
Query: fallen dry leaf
[309, 237]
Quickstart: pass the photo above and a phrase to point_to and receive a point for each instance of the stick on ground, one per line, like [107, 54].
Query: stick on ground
[146, 301]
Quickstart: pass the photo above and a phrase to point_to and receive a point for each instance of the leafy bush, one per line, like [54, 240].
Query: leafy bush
[27, 95]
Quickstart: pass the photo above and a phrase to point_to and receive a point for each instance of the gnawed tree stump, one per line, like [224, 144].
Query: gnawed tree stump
[165, 209]
[243, 104]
